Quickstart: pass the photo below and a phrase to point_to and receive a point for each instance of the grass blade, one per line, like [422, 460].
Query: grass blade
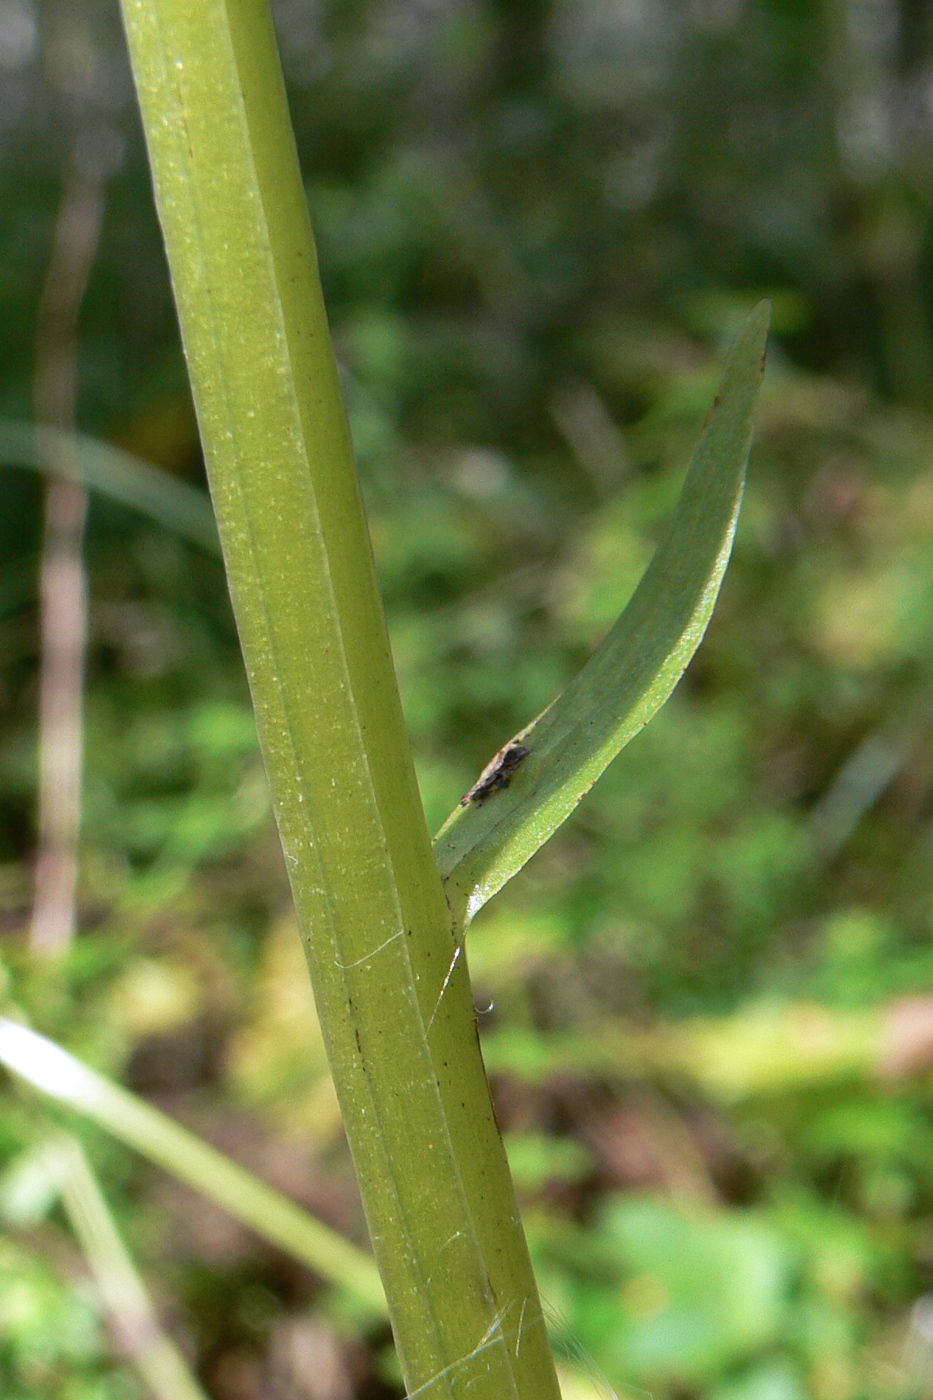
[181, 508]
[157, 1359]
[53, 1071]
[490, 836]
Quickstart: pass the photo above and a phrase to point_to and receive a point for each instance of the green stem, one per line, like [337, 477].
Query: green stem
[49, 1068]
[392, 990]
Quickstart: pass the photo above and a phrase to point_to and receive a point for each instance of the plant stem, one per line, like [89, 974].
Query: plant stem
[63, 587]
[392, 990]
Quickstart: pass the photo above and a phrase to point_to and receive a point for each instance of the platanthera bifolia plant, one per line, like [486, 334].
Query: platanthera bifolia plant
[383, 913]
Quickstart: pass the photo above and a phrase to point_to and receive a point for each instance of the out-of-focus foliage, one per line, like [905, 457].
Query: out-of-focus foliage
[708, 1003]
[53, 1343]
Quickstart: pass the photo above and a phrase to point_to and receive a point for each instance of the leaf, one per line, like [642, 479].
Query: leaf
[50, 1069]
[490, 836]
[101, 467]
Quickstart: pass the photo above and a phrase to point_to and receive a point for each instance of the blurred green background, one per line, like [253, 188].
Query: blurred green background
[707, 1005]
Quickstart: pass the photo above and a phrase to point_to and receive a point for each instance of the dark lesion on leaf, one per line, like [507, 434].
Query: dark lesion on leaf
[497, 774]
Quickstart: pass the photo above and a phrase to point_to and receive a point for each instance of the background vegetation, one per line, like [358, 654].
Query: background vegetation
[707, 1004]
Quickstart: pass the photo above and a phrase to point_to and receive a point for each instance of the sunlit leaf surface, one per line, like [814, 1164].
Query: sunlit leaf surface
[541, 776]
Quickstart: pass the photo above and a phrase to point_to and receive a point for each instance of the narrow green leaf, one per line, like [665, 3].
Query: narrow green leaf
[47, 1067]
[123, 477]
[160, 1364]
[490, 836]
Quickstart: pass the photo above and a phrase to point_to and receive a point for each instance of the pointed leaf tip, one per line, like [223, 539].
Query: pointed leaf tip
[500, 824]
